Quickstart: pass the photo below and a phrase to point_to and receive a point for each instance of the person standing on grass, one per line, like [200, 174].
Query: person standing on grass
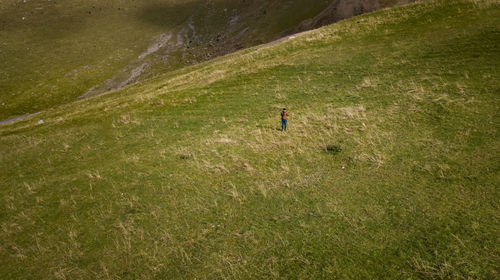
[284, 119]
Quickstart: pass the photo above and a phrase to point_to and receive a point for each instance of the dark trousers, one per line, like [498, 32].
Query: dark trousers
[283, 125]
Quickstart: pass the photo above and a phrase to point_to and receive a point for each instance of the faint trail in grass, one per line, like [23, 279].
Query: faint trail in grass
[11, 120]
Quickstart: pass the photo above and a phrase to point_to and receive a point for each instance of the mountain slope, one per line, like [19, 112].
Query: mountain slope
[53, 52]
[389, 169]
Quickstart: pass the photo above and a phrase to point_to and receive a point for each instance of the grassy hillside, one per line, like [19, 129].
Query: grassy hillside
[389, 169]
[52, 52]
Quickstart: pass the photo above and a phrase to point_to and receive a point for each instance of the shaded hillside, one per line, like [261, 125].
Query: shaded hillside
[389, 169]
[52, 52]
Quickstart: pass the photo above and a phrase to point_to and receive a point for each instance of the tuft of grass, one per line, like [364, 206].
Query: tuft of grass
[333, 148]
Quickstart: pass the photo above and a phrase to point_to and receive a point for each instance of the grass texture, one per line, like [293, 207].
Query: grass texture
[188, 176]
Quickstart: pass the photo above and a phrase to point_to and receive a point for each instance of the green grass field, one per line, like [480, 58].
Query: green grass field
[188, 176]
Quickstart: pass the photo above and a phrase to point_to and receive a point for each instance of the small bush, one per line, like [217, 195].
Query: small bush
[334, 149]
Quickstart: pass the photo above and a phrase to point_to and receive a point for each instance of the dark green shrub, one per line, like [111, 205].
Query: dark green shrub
[333, 148]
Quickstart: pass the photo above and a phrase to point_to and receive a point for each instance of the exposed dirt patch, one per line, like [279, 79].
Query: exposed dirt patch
[124, 77]
[11, 120]
[159, 43]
